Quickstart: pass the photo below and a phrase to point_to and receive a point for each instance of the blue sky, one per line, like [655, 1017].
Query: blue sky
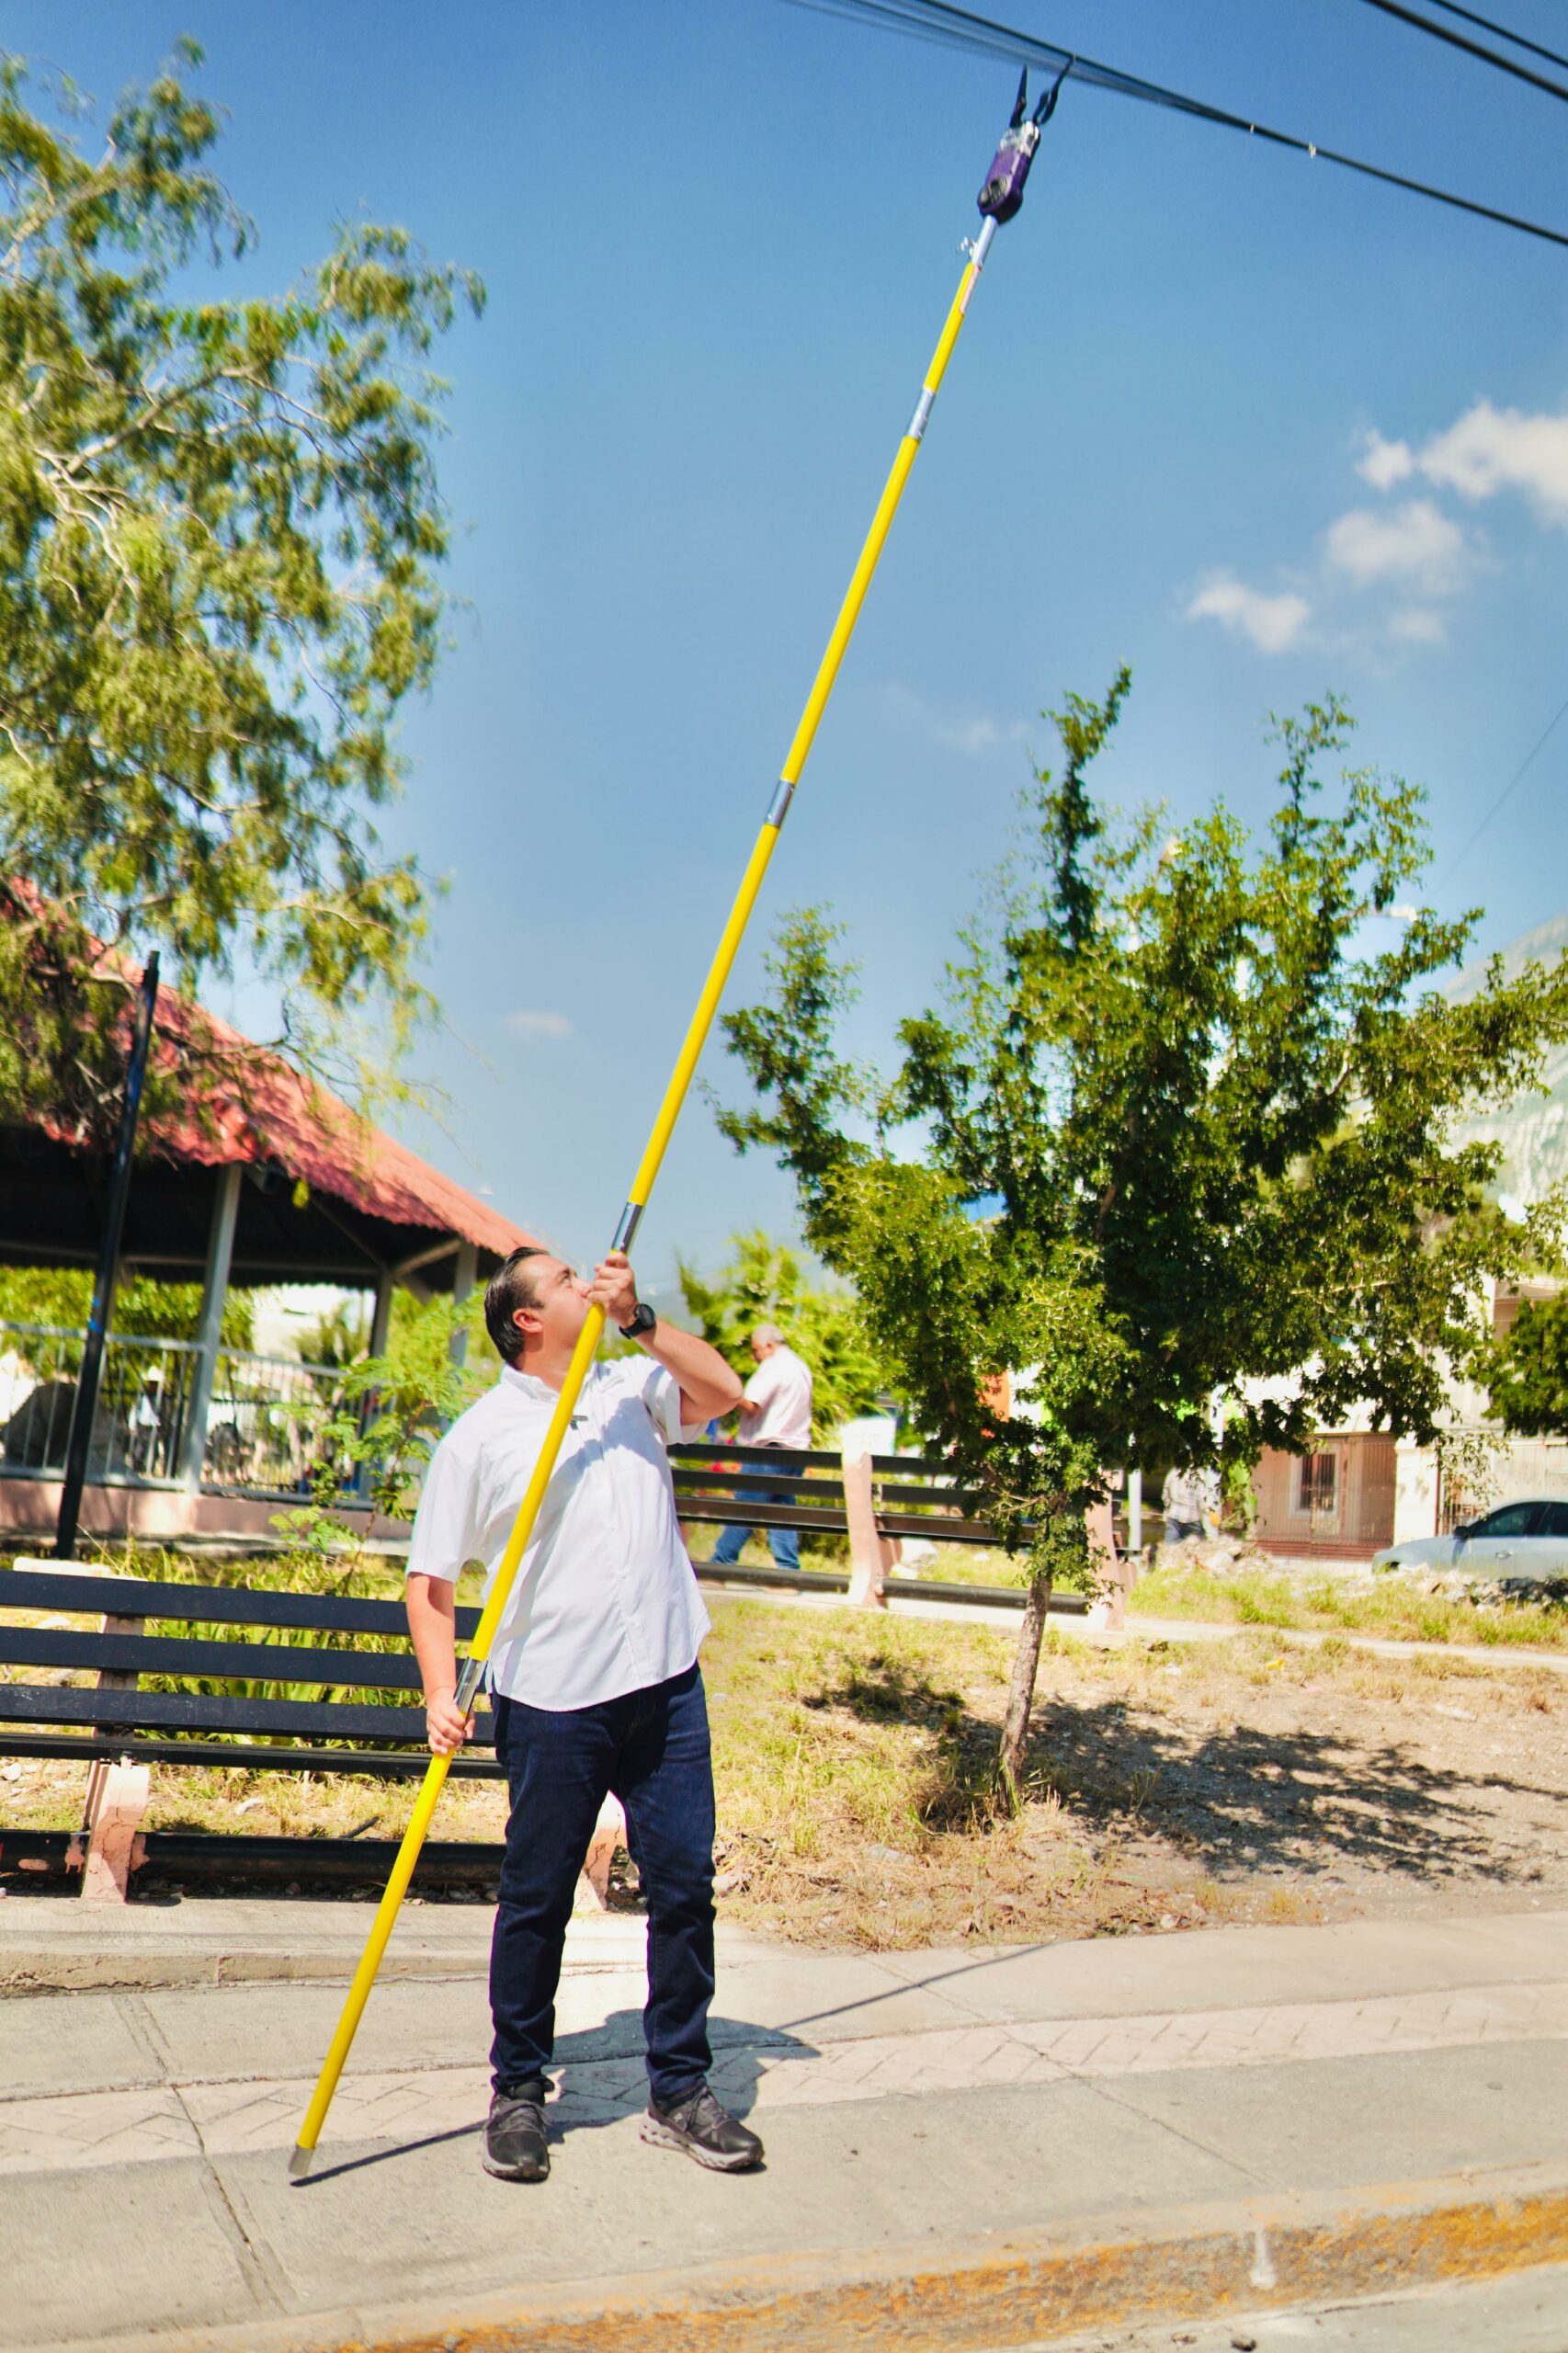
[1254, 427]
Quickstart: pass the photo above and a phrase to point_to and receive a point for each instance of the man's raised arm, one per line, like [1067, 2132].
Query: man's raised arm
[708, 1388]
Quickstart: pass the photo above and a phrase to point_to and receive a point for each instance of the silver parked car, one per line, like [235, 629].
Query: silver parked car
[1527, 1538]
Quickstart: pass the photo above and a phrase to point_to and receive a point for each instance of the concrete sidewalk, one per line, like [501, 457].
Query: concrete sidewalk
[966, 2148]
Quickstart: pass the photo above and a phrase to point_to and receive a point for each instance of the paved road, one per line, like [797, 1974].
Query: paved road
[1525, 2314]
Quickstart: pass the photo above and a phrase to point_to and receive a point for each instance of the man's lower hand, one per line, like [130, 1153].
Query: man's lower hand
[446, 1727]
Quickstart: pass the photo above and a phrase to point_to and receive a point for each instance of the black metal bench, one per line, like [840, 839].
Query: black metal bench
[115, 1723]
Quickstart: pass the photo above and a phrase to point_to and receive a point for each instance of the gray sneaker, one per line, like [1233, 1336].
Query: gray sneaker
[705, 2130]
[514, 2146]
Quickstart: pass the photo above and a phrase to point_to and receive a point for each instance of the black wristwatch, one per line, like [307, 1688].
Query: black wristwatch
[643, 1321]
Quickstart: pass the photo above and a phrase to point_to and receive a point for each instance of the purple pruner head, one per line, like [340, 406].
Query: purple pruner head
[1004, 190]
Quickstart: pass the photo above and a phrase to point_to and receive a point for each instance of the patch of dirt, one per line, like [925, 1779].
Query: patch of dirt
[1174, 1786]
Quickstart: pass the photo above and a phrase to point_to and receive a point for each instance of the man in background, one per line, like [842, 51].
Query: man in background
[1185, 1501]
[775, 1411]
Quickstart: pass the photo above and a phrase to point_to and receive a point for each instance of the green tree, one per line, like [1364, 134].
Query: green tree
[338, 1337]
[762, 1282]
[385, 1422]
[219, 546]
[1527, 1371]
[62, 1296]
[1176, 1147]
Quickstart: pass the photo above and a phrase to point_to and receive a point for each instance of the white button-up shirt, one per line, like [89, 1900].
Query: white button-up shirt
[605, 1599]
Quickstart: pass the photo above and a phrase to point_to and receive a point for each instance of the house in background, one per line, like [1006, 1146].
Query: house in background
[1358, 1489]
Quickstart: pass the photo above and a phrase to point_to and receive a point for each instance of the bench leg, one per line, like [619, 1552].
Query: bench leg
[593, 1885]
[117, 1800]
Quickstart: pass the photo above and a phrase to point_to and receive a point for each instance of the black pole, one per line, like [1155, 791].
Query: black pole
[85, 1412]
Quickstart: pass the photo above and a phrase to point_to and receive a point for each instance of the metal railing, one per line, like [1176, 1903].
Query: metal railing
[142, 1410]
[263, 1423]
[266, 1423]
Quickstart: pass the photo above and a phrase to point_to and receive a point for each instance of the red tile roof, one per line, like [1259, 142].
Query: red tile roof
[301, 1126]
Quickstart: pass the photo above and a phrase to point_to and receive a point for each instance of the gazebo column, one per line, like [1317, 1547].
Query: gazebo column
[214, 1290]
[381, 1318]
[464, 1276]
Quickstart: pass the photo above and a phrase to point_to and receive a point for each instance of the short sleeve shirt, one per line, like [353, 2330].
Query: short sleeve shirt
[605, 1599]
[782, 1385]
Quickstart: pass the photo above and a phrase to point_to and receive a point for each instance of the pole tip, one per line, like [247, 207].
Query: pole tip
[299, 2162]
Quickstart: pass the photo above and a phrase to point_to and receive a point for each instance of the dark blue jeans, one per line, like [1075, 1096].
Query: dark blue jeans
[652, 1749]
[783, 1543]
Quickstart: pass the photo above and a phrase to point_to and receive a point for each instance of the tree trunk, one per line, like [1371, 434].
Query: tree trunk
[1021, 1691]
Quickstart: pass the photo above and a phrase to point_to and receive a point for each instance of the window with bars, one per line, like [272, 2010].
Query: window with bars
[1315, 1484]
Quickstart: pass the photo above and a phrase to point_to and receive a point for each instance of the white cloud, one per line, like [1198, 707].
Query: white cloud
[1271, 622]
[526, 1024]
[1415, 542]
[1418, 625]
[1382, 463]
[970, 736]
[1387, 574]
[1401, 912]
[1490, 450]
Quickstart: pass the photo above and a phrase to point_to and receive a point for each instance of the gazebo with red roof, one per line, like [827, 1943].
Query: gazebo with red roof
[286, 1186]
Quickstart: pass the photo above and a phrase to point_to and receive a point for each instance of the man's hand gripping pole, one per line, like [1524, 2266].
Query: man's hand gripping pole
[999, 199]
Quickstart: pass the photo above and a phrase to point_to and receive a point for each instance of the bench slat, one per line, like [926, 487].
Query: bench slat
[167, 1654]
[47, 1703]
[383, 1764]
[211, 1604]
[721, 1450]
[706, 1510]
[757, 1482]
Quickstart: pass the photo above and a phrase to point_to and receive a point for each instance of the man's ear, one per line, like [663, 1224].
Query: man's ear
[525, 1321]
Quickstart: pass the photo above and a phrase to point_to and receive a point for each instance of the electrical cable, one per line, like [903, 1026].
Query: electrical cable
[1452, 8]
[1471, 48]
[955, 27]
[1527, 762]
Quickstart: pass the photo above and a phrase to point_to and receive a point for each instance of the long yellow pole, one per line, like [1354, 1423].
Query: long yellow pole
[637, 1201]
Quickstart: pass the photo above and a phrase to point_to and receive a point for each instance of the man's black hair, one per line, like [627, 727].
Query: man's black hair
[509, 1288]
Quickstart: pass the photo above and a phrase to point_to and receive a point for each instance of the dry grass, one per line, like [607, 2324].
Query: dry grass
[1394, 1610]
[1168, 1784]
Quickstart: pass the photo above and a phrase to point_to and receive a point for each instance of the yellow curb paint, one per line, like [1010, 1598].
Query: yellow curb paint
[1192, 2263]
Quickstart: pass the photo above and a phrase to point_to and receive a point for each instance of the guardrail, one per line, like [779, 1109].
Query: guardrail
[912, 1494]
[878, 1503]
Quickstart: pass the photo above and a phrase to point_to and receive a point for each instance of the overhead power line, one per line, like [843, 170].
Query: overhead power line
[955, 27]
[1470, 47]
[1516, 40]
[1526, 763]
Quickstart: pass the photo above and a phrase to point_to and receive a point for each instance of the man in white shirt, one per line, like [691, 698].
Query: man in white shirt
[775, 1410]
[594, 1676]
[1185, 1501]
